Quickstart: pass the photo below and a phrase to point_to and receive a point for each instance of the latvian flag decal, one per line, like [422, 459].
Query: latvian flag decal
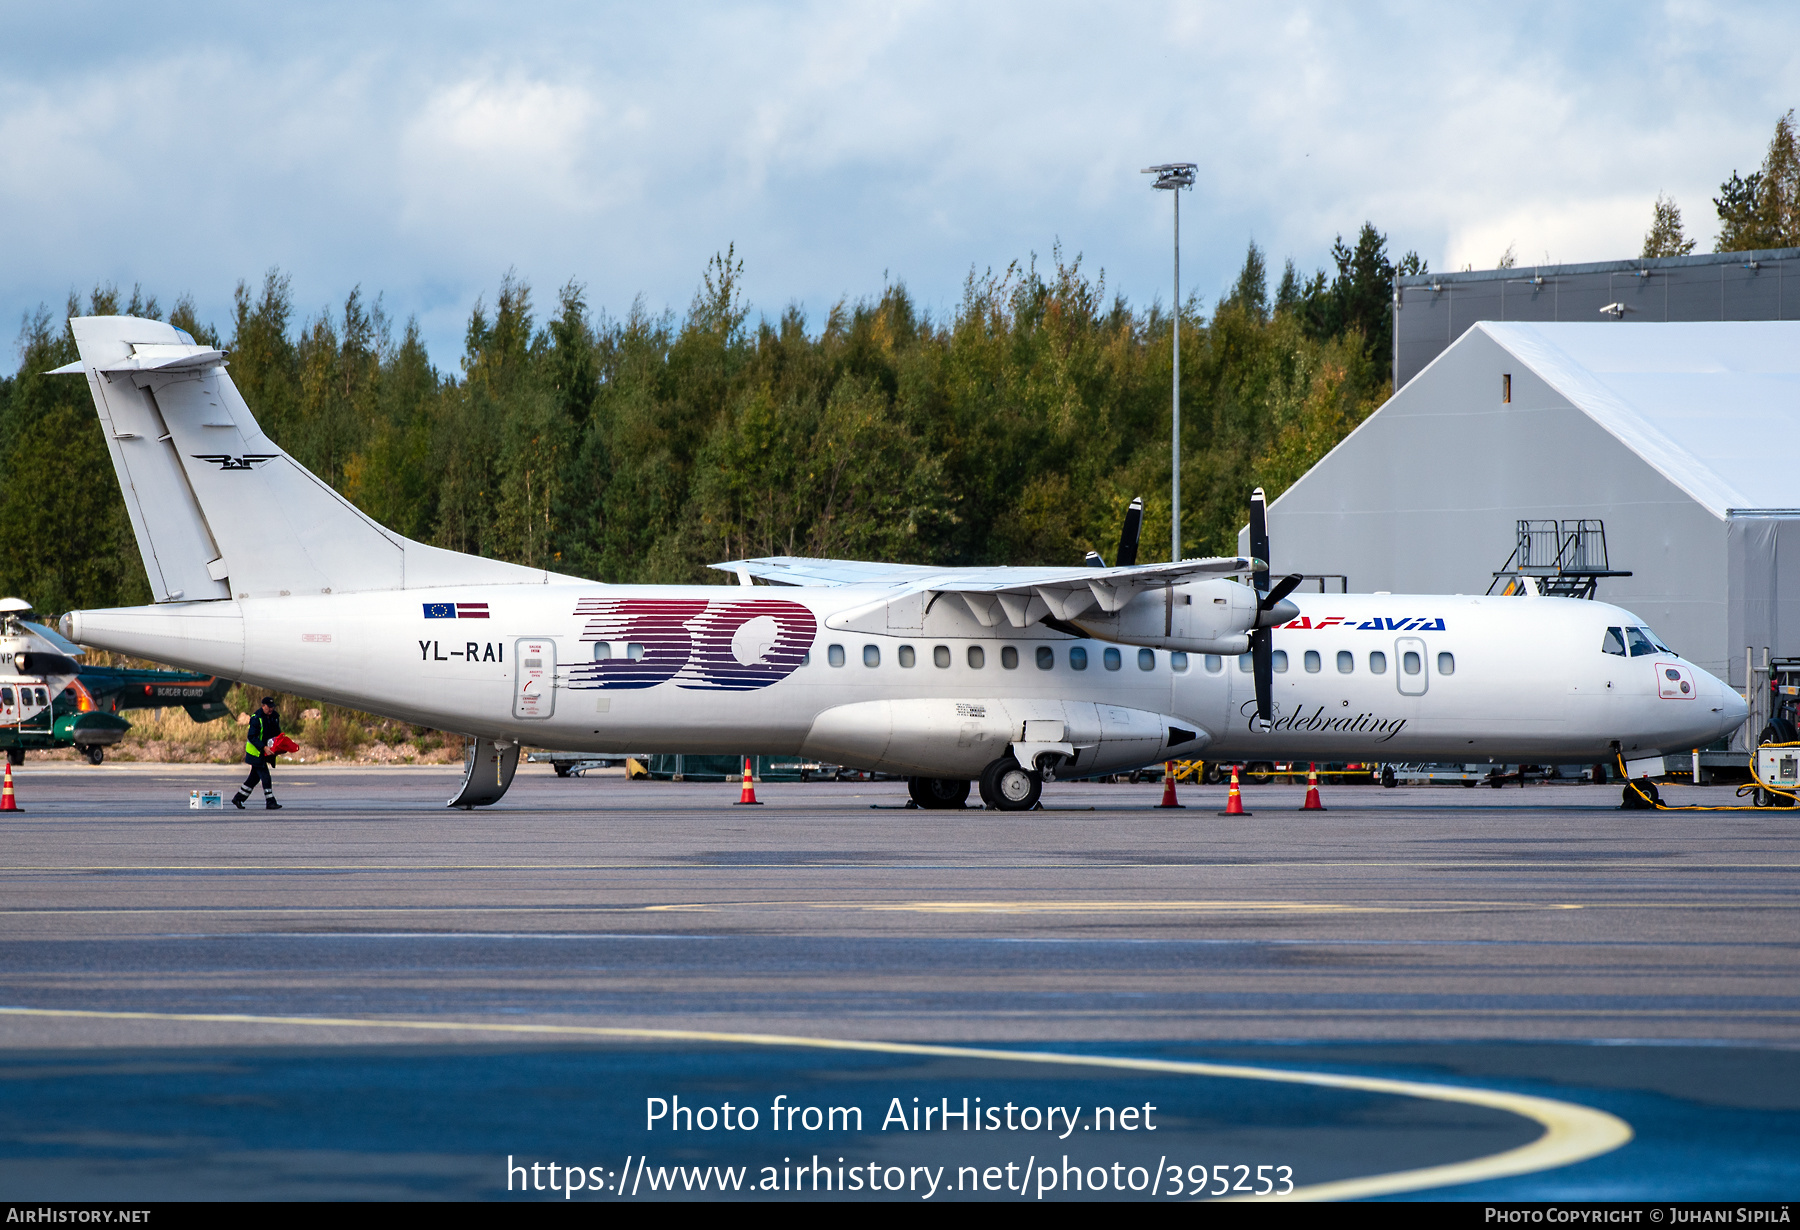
[456, 610]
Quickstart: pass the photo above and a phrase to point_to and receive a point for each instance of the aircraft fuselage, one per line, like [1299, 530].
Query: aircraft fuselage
[824, 672]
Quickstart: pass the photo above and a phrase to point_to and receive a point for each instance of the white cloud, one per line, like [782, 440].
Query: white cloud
[423, 152]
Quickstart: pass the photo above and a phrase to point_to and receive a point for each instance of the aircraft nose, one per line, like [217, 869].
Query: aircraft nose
[1728, 707]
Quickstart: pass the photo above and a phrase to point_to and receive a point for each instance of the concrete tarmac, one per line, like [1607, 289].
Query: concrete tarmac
[1423, 931]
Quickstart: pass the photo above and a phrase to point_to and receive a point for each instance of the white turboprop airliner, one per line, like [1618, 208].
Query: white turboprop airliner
[1007, 676]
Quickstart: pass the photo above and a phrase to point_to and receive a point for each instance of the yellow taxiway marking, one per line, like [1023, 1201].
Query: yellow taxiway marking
[864, 907]
[922, 864]
[1098, 907]
[1572, 1133]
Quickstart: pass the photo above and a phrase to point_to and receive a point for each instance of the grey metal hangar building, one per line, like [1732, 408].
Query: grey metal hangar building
[1679, 437]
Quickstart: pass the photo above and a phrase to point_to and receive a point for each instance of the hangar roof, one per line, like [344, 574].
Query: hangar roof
[1714, 406]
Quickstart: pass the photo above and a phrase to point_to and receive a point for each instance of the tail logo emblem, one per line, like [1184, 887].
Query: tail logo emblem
[225, 461]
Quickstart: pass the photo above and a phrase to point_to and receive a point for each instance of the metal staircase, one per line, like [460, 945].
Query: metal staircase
[1556, 559]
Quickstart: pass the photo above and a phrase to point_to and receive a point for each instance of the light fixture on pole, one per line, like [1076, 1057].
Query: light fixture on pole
[1173, 177]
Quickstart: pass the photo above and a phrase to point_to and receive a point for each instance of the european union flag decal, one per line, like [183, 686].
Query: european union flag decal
[456, 610]
[440, 610]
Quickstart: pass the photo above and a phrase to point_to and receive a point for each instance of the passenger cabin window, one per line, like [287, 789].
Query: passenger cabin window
[1214, 663]
[1640, 642]
[940, 656]
[1245, 666]
[835, 655]
[1178, 662]
[1346, 662]
[6, 696]
[908, 658]
[1077, 658]
[1111, 660]
[871, 655]
[1377, 663]
[602, 651]
[1280, 659]
[977, 657]
[1409, 662]
[1046, 657]
[1613, 642]
[1312, 661]
[806, 658]
[1446, 664]
[1009, 658]
[1146, 659]
[634, 651]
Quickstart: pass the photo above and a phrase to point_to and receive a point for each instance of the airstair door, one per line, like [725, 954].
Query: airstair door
[534, 678]
[1411, 666]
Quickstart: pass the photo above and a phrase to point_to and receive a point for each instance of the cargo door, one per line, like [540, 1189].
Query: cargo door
[534, 678]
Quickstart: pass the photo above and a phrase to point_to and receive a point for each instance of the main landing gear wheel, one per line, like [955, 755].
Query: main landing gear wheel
[94, 753]
[1634, 801]
[1387, 776]
[16, 755]
[938, 793]
[1007, 787]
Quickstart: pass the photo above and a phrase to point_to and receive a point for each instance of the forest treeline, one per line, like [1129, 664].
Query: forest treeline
[643, 448]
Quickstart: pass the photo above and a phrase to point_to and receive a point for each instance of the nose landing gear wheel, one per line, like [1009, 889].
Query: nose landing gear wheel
[94, 753]
[938, 793]
[1007, 787]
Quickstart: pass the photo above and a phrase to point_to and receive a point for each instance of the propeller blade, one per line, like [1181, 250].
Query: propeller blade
[1128, 536]
[1259, 538]
[1282, 589]
[1262, 661]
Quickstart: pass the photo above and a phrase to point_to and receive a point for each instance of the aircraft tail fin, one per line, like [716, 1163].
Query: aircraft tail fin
[219, 510]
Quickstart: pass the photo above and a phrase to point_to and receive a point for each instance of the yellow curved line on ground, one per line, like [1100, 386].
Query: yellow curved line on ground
[1091, 907]
[1572, 1133]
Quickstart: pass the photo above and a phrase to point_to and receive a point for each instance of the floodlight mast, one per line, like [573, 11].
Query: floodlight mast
[1173, 177]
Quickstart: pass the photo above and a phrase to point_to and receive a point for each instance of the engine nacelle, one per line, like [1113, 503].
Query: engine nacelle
[959, 738]
[1199, 617]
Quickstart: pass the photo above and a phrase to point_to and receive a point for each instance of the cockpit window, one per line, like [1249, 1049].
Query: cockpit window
[1640, 642]
[1613, 642]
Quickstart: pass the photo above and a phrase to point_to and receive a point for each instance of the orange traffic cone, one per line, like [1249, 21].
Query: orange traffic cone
[1312, 790]
[748, 797]
[1234, 802]
[1169, 785]
[7, 802]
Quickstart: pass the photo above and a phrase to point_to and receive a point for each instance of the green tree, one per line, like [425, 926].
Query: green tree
[1251, 292]
[1360, 298]
[1665, 236]
[1762, 210]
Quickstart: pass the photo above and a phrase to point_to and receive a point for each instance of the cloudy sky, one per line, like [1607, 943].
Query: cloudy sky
[423, 150]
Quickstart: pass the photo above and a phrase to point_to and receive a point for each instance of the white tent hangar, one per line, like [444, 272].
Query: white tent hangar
[1683, 438]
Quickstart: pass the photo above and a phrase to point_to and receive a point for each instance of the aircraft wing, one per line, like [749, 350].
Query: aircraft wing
[795, 570]
[1022, 596]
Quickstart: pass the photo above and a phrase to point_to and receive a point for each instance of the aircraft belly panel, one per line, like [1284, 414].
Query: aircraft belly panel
[946, 737]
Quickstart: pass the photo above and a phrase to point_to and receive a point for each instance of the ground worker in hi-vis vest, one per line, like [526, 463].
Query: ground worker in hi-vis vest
[265, 724]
